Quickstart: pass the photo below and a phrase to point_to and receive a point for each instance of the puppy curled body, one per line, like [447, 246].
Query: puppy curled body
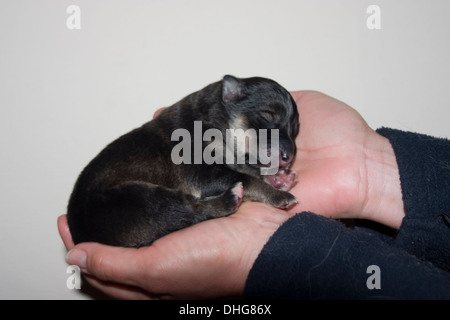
[144, 185]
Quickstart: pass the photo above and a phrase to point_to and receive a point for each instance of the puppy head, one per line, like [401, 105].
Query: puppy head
[259, 103]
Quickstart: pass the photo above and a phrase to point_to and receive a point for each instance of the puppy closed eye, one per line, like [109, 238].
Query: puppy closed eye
[268, 115]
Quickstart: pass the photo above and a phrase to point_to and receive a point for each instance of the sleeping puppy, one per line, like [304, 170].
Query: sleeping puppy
[232, 141]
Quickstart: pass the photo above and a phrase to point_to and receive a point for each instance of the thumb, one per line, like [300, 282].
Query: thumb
[157, 112]
[107, 263]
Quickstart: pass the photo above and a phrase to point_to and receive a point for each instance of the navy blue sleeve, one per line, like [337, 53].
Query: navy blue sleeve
[313, 257]
[424, 166]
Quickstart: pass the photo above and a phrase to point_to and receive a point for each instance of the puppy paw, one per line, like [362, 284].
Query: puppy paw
[286, 201]
[232, 198]
[238, 193]
[283, 180]
[220, 205]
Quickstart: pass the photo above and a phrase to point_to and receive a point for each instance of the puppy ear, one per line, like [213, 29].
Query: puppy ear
[232, 89]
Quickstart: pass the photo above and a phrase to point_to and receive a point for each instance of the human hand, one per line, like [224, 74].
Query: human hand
[346, 170]
[211, 259]
[207, 260]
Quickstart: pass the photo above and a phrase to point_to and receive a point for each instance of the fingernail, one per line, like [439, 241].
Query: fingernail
[77, 257]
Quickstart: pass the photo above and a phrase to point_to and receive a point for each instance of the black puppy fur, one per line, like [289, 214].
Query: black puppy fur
[132, 193]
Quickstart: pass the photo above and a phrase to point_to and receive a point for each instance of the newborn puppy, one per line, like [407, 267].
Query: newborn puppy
[232, 141]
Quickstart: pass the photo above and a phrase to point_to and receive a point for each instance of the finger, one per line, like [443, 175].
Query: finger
[300, 94]
[297, 94]
[107, 263]
[118, 291]
[64, 232]
[157, 112]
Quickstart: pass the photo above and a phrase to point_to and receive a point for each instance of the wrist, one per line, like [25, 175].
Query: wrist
[384, 200]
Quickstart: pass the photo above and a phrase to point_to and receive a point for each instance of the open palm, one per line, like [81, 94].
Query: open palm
[331, 160]
[213, 258]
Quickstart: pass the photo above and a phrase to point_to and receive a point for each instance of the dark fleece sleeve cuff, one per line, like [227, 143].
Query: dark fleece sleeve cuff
[313, 257]
[424, 166]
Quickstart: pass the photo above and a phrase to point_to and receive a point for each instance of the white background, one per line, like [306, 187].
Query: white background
[65, 94]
